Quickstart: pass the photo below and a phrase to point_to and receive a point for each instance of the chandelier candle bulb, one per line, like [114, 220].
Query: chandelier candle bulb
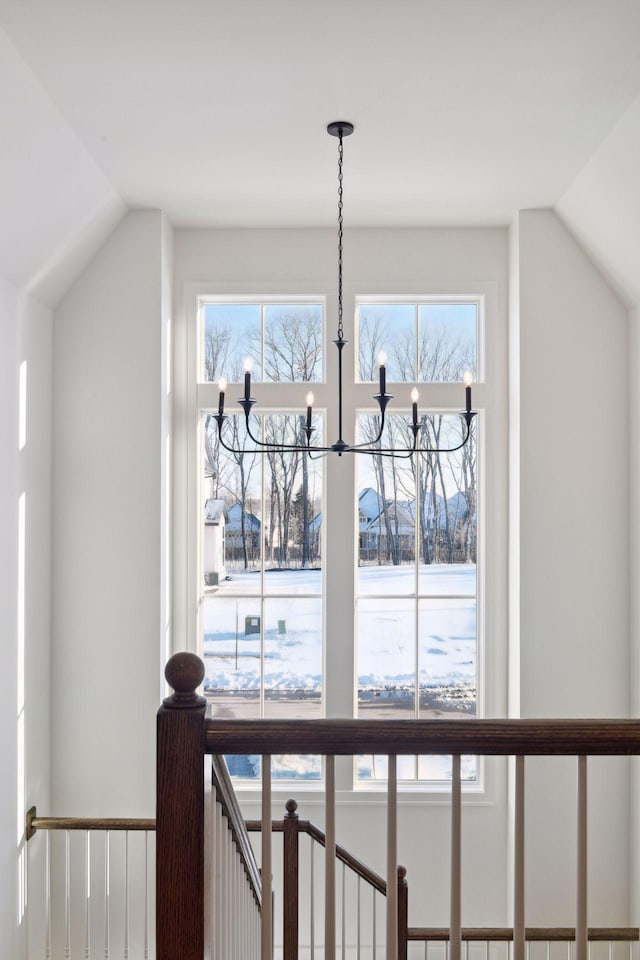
[414, 406]
[222, 386]
[247, 378]
[467, 385]
[382, 359]
[309, 409]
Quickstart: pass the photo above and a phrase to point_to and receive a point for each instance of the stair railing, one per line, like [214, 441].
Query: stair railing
[184, 736]
[98, 887]
[292, 827]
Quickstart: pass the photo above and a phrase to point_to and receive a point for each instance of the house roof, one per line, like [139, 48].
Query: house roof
[214, 512]
[234, 520]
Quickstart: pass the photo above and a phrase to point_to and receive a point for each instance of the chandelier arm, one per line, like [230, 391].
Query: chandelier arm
[264, 448]
[400, 453]
[382, 399]
[270, 447]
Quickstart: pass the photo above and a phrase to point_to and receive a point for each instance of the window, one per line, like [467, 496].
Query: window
[352, 585]
[261, 584]
[416, 586]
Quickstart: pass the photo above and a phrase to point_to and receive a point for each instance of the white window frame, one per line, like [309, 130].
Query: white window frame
[489, 398]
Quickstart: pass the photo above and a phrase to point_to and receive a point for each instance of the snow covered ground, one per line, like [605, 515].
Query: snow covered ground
[440, 630]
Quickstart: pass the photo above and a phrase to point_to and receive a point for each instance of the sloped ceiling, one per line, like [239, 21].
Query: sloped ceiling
[56, 204]
[215, 111]
[602, 206]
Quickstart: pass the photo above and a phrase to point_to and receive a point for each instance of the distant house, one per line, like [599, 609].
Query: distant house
[374, 527]
[385, 532]
[214, 542]
[242, 544]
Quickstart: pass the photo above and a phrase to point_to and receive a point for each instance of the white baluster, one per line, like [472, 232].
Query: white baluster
[456, 848]
[392, 859]
[87, 898]
[107, 884]
[581, 911]
[518, 893]
[47, 894]
[146, 896]
[330, 862]
[224, 917]
[67, 894]
[232, 912]
[312, 905]
[358, 921]
[374, 946]
[219, 883]
[209, 862]
[126, 895]
[267, 920]
[343, 909]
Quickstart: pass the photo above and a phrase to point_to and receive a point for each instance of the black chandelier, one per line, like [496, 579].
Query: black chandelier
[341, 129]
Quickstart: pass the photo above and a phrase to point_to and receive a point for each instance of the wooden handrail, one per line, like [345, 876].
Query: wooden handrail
[35, 823]
[539, 934]
[358, 867]
[342, 854]
[437, 736]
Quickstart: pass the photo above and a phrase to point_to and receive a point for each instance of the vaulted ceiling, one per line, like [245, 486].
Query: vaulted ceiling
[215, 110]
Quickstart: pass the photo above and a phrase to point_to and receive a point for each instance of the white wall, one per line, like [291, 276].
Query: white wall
[110, 428]
[573, 539]
[108, 629]
[25, 505]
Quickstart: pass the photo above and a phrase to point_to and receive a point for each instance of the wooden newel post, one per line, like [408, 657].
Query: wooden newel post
[290, 883]
[403, 913]
[180, 814]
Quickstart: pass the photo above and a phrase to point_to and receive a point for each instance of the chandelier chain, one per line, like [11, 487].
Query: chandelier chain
[340, 155]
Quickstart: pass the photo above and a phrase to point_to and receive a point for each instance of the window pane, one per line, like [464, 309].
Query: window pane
[231, 333]
[232, 645]
[233, 508]
[447, 339]
[249, 767]
[293, 507]
[447, 509]
[293, 342]
[386, 514]
[439, 768]
[447, 657]
[425, 768]
[293, 658]
[284, 341]
[386, 659]
[392, 328]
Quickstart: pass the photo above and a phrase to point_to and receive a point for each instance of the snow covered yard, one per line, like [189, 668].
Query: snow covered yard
[404, 649]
